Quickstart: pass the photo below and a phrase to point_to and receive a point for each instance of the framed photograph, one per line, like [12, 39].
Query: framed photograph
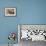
[31, 32]
[10, 11]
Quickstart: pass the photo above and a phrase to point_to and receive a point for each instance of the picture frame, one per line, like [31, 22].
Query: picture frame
[36, 32]
[10, 11]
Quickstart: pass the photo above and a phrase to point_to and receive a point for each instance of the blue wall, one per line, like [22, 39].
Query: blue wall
[28, 12]
[33, 12]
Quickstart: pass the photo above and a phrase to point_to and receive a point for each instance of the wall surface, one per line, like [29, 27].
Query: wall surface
[8, 24]
[33, 12]
[28, 12]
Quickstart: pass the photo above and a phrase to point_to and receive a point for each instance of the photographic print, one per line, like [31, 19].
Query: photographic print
[10, 11]
[29, 34]
[33, 32]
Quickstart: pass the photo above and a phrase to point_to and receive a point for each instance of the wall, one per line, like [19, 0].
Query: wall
[28, 12]
[8, 24]
[33, 12]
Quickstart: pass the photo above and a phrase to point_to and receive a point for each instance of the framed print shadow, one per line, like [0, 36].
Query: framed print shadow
[10, 11]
